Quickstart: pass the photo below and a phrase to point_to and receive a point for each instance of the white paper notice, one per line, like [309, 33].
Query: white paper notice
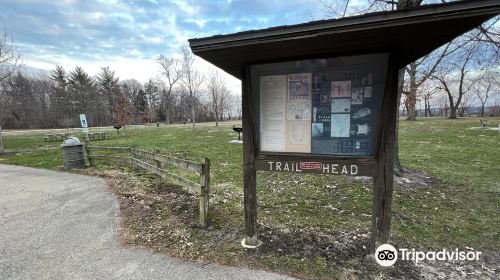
[299, 110]
[340, 125]
[300, 133]
[272, 113]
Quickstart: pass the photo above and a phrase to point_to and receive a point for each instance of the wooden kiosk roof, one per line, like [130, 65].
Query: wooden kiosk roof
[409, 33]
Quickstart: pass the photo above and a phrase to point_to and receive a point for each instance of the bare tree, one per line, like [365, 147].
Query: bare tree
[426, 92]
[490, 33]
[121, 111]
[172, 72]
[490, 84]
[419, 72]
[218, 92]
[132, 88]
[455, 79]
[9, 58]
[192, 79]
[151, 91]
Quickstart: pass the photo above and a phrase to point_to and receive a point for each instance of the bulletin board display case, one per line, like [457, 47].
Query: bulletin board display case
[329, 106]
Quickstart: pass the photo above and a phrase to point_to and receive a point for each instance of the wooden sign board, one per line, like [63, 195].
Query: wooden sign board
[321, 97]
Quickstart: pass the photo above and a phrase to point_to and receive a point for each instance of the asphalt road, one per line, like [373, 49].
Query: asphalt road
[57, 225]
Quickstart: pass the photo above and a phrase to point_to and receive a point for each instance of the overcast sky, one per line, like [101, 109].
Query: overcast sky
[128, 35]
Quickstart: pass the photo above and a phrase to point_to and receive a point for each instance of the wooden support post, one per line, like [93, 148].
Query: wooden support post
[249, 154]
[132, 156]
[158, 164]
[383, 181]
[204, 193]
[89, 155]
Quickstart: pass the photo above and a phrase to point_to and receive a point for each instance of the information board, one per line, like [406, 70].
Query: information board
[323, 106]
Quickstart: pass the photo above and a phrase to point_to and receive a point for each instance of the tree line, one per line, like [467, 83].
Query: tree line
[448, 81]
[181, 93]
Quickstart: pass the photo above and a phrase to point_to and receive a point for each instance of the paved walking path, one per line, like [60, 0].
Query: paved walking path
[58, 225]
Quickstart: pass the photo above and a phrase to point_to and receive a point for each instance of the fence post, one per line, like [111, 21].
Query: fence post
[204, 193]
[158, 164]
[132, 156]
[89, 155]
[1, 141]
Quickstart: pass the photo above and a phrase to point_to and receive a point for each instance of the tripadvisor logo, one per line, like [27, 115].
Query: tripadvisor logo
[387, 255]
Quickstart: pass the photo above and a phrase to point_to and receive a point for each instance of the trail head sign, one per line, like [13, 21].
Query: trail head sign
[321, 97]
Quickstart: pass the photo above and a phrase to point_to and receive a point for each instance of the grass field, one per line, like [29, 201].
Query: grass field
[313, 226]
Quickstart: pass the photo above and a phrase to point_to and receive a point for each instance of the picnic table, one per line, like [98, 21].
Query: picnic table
[56, 136]
[97, 136]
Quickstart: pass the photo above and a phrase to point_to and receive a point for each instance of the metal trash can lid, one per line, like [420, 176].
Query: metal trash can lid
[71, 141]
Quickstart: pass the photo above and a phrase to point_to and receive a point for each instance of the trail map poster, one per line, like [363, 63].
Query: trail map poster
[272, 113]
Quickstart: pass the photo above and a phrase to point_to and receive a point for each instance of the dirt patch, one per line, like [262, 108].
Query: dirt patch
[165, 220]
[488, 267]
[414, 179]
[408, 179]
[339, 251]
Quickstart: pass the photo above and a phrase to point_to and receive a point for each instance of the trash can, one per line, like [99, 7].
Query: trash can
[72, 151]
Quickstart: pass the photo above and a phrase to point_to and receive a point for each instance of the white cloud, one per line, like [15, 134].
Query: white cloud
[188, 9]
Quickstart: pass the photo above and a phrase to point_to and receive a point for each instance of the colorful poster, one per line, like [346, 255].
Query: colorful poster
[340, 89]
[272, 113]
[340, 125]
[299, 87]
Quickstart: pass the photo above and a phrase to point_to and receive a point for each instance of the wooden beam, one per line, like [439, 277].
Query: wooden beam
[101, 148]
[332, 166]
[249, 154]
[178, 180]
[158, 165]
[205, 193]
[383, 181]
[181, 163]
[94, 157]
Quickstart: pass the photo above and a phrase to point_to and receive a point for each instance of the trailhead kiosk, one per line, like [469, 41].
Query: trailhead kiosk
[321, 97]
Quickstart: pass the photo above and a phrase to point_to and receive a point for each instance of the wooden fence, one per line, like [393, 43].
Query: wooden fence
[156, 163]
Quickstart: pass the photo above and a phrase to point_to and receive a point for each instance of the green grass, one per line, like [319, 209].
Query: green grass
[460, 209]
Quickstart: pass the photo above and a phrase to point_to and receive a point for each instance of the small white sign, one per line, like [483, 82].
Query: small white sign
[83, 121]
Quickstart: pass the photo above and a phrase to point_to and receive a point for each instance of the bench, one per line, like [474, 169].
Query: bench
[483, 123]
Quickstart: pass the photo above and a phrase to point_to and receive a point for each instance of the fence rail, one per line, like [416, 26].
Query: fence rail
[138, 159]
